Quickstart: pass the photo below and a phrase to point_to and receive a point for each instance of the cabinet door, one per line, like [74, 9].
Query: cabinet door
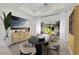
[76, 22]
[15, 37]
[28, 35]
[25, 35]
[76, 29]
[71, 43]
[77, 46]
[21, 36]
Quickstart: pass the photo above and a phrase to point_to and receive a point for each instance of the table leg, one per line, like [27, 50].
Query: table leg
[38, 49]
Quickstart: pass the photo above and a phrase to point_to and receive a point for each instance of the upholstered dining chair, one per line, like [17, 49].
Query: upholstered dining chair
[54, 45]
[25, 49]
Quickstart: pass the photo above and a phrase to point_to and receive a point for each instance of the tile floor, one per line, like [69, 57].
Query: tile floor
[63, 49]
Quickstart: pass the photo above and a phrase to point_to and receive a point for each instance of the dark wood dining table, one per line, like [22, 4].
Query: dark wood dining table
[39, 41]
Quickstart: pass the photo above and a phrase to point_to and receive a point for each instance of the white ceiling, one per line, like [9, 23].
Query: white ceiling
[39, 9]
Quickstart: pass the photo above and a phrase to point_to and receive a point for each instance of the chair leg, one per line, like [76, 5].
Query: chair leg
[46, 51]
[45, 47]
[21, 53]
[58, 49]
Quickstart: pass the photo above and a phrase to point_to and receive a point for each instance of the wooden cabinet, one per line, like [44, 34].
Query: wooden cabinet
[76, 30]
[20, 36]
[77, 47]
[71, 43]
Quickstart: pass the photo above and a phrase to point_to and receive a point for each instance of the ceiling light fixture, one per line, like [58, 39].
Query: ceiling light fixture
[45, 4]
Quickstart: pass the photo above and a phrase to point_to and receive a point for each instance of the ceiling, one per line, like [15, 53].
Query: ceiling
[39, 9]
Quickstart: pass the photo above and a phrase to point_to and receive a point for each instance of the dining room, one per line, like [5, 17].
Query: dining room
[36, 30]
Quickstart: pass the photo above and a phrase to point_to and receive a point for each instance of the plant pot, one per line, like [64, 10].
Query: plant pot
[7, 32]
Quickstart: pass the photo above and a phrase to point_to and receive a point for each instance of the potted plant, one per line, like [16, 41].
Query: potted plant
[7, 21]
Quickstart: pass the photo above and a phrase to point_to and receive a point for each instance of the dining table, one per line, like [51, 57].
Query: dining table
[39, 41]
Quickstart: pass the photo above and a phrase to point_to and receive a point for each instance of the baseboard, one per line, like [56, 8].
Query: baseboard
[71, 53]
[16, 43]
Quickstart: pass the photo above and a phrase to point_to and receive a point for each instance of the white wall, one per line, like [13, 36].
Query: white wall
[38, 26]
[35, 23]
[63, 27]
[63, 18]
[2, 31]
[50, 19]
[16, 12]
[33, 26]
[64, 24]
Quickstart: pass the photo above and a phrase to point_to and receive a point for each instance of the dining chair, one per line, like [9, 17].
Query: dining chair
[27, 50]
[54, 45]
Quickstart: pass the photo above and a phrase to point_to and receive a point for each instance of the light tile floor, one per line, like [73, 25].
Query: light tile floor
[63, 49]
